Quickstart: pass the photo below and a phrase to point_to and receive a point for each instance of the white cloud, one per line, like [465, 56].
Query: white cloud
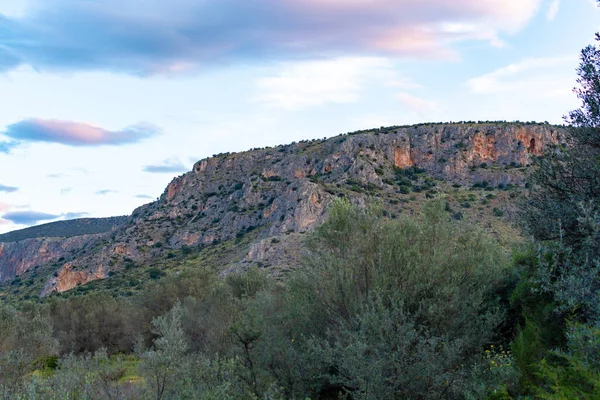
[551, 76]
[313, 83]
[553, 10]
[4, 207]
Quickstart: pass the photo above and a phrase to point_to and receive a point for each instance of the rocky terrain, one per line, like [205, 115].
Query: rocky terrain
[277, 194]
[18, 257]
[38, 245]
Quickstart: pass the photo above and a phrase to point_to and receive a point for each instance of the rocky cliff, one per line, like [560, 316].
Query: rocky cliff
[18, 257]
[284, 191]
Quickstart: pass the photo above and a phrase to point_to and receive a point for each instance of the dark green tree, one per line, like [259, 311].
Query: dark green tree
[564, 206]
[563, 282]
[565, 198]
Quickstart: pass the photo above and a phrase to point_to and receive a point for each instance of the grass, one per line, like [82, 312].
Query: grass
[130, 364]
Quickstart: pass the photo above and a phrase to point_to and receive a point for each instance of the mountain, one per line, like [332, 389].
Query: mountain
[35, 246]
[254, 207]
[65, 229]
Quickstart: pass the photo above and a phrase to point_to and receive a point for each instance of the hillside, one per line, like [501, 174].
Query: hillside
[253, 208]
[65, 229]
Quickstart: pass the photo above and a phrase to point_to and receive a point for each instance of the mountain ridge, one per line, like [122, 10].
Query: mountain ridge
[64, 229]
[277, 194]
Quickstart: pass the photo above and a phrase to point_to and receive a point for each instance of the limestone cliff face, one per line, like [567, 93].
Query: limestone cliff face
[67, 278]
[453, 151]
[284, 191]
[18, 257]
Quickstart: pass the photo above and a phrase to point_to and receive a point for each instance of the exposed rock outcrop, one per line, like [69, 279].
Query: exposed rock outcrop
[18, 257]
[284, 191]
[67, 278]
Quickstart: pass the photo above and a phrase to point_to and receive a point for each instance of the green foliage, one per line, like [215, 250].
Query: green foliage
[83, 377]
[557, 350]
[383, 353]
[244, 284]
[498, 212]
[170, 371]
[566, 190]
[412, 307]
[383, 309]
[89, 323]
[574, 373]
[26, 338]
[528, 349]
[163, 366]
[155, 273]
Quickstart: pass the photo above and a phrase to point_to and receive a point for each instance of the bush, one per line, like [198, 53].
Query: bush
[155, 273]
[380, 296]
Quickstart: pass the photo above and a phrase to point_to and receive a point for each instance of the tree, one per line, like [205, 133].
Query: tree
[563, 283]
[564, 206]
[385, 308]
[163, 366]
[84, 376]
[26, 339]
[88, 323]
[565, 199]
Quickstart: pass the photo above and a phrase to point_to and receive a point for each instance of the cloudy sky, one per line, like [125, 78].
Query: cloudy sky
[103, 102]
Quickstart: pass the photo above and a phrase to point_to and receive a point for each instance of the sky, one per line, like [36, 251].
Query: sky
[104, 102]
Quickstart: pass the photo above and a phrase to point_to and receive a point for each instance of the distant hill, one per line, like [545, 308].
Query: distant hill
[70, 228]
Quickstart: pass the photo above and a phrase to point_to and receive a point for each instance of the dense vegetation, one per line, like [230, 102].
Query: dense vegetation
[382, 309]
[415, 307]
[74, 227]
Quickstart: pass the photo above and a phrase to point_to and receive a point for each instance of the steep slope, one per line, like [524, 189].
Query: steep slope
[18, 257]
[39, 245]
[276, 194]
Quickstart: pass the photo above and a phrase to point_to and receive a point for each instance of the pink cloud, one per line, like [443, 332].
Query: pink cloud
[4, 206]
[76, 133]
[419, 27]
[184, 35]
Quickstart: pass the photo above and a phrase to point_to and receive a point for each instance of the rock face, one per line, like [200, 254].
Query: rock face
[67, 278]
[18, 257]
[284, 191]
[452, 151]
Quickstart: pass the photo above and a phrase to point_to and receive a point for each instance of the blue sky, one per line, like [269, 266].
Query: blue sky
[104, 102]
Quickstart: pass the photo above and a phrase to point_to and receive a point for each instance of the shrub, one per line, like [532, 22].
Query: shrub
[155, 273]
[380, 296]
